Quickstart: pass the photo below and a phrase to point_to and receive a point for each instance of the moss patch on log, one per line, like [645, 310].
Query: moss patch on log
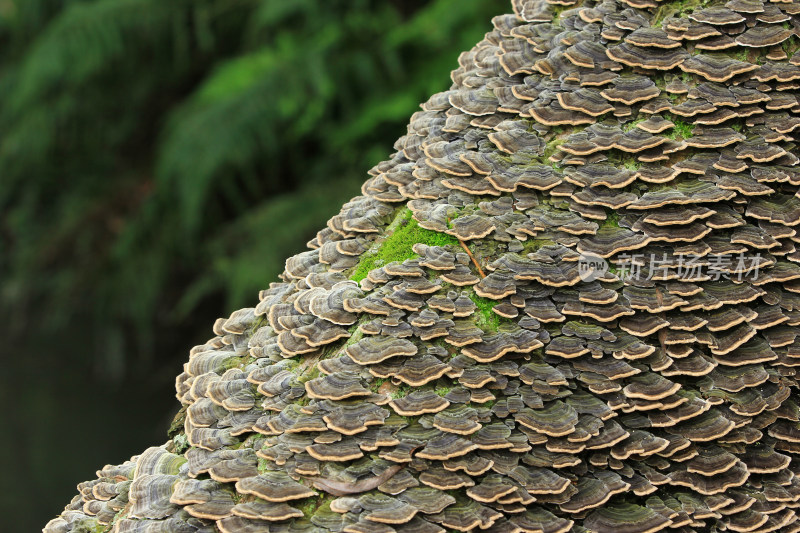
[398, 245]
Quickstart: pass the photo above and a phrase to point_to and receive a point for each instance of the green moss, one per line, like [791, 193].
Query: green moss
[550, 149]
[256, 441]
[557, 10]
[442, 391]
[485, 317]
[356, 334]
[232, 362]
[790, 45]
[309, 374]
[675, 8]
[628, 126]
[176, 426]
[376, 384]
[180, 443]
[612, 219]
[630, 163]
[90, 525]
[117, 517]
[401, 392]
[315, 504]
[309, 507]
[532, 245]
[241, 362]
[394, 391]
[264, 465]
[681, 129]
[397, 246]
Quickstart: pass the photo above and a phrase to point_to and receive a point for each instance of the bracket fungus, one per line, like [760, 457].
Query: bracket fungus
[569, 302]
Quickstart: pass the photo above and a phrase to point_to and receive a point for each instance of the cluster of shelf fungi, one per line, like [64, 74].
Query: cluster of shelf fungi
[491, 384]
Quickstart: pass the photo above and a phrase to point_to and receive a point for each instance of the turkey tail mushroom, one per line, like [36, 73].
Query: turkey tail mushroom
[568, 302]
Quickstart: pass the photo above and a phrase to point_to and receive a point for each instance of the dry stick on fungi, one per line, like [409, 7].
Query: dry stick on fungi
[474, 261]
[469, 253]
[343, 488]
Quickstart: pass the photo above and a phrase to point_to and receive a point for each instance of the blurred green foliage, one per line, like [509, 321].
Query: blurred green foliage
[159, 160]
[155, 154]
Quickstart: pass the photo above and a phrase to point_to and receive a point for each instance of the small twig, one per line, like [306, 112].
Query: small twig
[341, 488]
[474, 261]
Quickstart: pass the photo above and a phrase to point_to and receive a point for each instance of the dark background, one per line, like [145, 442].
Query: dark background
[158, 162]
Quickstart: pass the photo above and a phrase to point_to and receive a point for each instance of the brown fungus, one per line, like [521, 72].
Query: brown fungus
[594, 330]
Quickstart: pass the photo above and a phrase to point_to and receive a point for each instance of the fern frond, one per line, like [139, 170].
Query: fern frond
[86, 37]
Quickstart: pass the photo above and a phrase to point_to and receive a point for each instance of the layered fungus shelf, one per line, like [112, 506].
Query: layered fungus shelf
[568, 302]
